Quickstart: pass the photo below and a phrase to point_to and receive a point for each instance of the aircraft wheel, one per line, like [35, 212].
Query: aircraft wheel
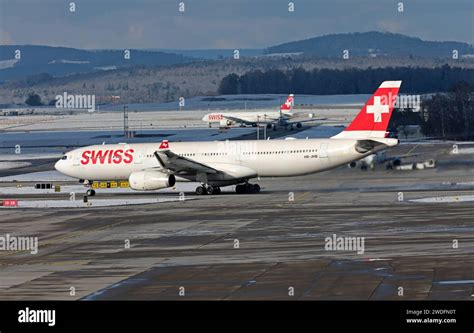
[240, 189]
[248, 188]
[217, 190]
[211, 190]
[200, 190]
[256, 188]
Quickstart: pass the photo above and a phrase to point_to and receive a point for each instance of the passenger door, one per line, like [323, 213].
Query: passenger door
[138, 158]
[323, 150]
[76, 159]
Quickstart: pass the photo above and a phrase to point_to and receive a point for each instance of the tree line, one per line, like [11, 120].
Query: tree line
[448, 115]
[346, 81]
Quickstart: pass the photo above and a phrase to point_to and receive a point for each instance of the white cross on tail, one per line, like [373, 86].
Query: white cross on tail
[377, 109]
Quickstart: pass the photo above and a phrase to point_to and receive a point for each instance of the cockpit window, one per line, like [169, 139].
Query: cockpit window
[64, 157]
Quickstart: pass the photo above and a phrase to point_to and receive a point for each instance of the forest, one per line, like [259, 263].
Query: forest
[346, 81]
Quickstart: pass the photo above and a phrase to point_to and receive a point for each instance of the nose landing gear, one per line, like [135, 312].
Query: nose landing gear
[87, 183]
[90, 192]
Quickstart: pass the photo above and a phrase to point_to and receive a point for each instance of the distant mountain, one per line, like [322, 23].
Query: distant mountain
[372, 44]
[63, 61]
[213, 54]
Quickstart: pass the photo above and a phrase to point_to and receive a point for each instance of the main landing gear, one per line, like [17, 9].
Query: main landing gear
[203, 189]
[247, 188]
[239, 189]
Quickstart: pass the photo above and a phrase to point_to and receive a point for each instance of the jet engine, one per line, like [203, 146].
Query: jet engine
[225, 122]
[397, 162]
[352, 165]
[148, 180]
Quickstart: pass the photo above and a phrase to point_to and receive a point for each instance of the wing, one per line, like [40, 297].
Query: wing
[304, 121]
[177, 164]
[237, 120]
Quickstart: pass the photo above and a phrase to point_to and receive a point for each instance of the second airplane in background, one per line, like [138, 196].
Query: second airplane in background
[254, 118]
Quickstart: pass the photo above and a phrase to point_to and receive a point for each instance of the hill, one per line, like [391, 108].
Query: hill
[63, 61]
[372, 44]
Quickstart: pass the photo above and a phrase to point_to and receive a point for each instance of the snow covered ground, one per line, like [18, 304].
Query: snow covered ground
[13, 165]
[42, 176]
[26, 157]
[140, 121]
[447, 199]
[463, 151]
[54, 142]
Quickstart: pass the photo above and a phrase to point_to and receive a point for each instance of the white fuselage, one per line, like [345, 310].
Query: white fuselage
[245, 117]
[237, 160]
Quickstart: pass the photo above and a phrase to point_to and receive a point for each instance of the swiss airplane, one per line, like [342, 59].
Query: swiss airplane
[281, 117]
[154, 166]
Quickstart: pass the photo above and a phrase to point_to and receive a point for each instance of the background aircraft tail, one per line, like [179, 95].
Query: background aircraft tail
[288, 105]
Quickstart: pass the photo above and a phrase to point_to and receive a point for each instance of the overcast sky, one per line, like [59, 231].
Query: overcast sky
[223, 23]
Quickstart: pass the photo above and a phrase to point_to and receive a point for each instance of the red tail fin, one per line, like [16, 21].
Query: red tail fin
[288, 105]
[164, 144]
[373, 118]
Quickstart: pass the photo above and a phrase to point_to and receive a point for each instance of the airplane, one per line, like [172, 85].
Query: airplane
[268, 118]
[154, 166]
[380, 158]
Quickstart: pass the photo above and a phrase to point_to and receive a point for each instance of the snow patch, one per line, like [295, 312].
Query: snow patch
[457, 198]
[106, 68]
[38, 176]
[13, 165]
[65, 61]
[8, 63]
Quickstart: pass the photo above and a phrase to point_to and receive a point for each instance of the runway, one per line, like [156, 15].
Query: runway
[261, 246]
